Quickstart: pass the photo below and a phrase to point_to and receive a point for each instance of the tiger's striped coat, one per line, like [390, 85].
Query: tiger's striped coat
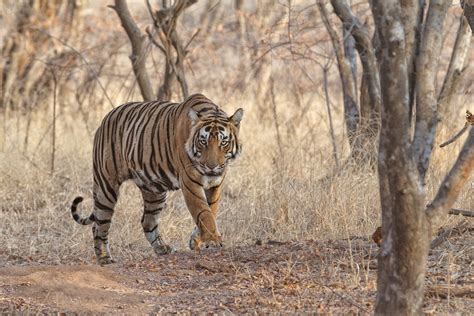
[162, 146]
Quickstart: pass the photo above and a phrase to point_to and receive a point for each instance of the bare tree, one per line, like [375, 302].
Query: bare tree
[362, 115]
[407, 224]
[164, 26]
[138, 41]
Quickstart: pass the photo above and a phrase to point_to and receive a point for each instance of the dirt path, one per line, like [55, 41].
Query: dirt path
[291, 277]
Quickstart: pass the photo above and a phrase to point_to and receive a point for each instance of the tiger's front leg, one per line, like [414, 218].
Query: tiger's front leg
[206, 231]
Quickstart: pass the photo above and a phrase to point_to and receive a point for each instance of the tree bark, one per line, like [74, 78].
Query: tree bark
[452, 183]
[468, 6]
[401, 265]
[407, 225]
[412, 16]
[369, 122]
[365, 49]
[138, 56]
[351, 111]
[456, 69]
[165, 21]
[426, 100]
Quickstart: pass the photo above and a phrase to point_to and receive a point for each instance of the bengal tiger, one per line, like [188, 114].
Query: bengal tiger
[162, 146]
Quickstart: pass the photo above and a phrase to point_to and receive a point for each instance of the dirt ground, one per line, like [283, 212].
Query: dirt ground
[308, 276]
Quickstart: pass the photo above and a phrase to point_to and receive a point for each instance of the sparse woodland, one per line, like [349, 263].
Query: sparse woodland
[357, 120]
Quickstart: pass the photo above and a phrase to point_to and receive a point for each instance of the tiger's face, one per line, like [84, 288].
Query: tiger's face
[214, 142]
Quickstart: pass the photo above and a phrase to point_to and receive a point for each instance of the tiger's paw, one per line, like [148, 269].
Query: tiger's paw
[105, 260]
[163, 250]
[195, 243]
[214, 244]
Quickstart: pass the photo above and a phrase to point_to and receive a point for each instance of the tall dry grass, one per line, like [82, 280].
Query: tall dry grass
[284, 186]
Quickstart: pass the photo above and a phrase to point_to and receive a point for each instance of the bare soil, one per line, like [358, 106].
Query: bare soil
[308, 276]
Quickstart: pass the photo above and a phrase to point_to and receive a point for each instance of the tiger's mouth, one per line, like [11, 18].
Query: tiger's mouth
[210, 172]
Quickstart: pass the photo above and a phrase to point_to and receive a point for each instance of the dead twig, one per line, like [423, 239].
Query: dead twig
[469, 122]
[448, 233]
[455, 211]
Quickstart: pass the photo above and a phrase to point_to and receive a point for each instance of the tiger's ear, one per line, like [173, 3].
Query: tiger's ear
[193, 115]
[237, 117]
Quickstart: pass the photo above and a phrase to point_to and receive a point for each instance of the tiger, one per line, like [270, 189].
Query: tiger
[162, 146]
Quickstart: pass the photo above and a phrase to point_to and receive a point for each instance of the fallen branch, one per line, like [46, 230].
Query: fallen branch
[448, 233]
[445, 290]
[455, 211]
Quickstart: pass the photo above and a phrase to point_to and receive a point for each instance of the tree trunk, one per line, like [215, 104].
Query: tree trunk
[138, 56]
[368, 130]
[407, 225]
[401, 268]
[351, 111]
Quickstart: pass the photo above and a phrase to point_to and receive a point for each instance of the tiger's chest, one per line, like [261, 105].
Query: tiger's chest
[211, 181]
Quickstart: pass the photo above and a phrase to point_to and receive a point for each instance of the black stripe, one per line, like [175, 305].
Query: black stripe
[153, 212]
[199, 197]
[199, 215]
[152, 230]
[159, 200]
[102, 207]
[102, 221]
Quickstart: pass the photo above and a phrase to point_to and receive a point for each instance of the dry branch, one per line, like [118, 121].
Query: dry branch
[364, 47]
[448, 233]
[351, 112]
[412, 16]
[469, 121]
[426, 101]
[455, 211]
[445, 291]
[452, 183]
[165, 21]
[456, 69]
[137, 40]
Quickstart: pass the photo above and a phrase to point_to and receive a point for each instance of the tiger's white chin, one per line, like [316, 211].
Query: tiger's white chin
[211, 181]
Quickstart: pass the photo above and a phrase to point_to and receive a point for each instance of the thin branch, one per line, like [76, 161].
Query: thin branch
[448, 233]
[154, 42]
[469, 121]
[191, 39]
[452, 183]
[458, 134]
[86, 62]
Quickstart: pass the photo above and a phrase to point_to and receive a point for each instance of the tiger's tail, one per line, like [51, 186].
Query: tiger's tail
[80, 220]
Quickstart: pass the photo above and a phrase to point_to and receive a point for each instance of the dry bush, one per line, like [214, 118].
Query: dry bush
[284, 187]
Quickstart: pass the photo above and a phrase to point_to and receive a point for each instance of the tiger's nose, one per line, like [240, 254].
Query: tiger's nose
[213, 166]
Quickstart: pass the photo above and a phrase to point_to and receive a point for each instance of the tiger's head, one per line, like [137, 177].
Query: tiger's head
[213, 141]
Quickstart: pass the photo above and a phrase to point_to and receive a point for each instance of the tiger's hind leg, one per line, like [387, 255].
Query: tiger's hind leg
[154, 204]
[104, 203]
